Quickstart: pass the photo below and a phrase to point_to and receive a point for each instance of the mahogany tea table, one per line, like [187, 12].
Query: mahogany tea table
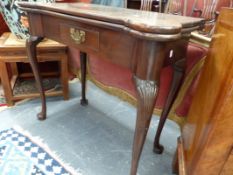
[142, 41]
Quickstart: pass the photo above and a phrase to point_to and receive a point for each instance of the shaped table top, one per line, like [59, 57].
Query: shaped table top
[138, 20]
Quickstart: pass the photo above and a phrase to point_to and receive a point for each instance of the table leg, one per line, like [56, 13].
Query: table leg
[31, 43]
[146, 92]
[176, 81]
[83, 65]
[147, 61]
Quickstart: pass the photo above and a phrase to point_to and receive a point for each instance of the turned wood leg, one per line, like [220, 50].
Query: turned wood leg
[146, 93]
[177, 77]
[83, 61]
[31, 43]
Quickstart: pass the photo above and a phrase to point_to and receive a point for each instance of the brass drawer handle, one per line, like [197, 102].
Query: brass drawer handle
[77, 35]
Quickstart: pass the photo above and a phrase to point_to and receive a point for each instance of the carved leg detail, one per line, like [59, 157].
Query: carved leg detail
[177, 77]
[31, 43]
[146, 92]
[83, 61]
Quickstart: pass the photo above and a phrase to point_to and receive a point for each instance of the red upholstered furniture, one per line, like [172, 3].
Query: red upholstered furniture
[118, 80]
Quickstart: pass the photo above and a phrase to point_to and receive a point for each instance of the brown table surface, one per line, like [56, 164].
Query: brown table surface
[139, 40]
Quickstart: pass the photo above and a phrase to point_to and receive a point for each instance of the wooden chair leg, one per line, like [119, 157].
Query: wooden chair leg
[6, 84]
[64, 77]
[14, 69]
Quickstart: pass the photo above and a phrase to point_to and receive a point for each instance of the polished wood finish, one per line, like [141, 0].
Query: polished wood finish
[83, 64]
[176, 82]
[123, 36]
[228, 166]
[207, 136]
[16, 53]
[179, 159]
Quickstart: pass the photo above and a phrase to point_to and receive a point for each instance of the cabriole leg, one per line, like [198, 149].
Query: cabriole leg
[176, 81]
[31, 44]
[146, 94]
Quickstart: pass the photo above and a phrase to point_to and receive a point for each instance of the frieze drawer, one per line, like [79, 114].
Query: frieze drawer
[80, 37]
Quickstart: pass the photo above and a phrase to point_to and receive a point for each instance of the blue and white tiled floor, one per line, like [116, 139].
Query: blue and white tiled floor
[96, 139]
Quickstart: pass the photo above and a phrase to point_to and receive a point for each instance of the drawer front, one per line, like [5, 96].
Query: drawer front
[80, 37]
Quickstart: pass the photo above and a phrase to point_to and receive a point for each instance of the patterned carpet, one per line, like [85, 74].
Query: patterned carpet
[21, 154]
[27, 86]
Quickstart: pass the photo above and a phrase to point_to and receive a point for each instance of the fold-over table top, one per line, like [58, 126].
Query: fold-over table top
[141, 21]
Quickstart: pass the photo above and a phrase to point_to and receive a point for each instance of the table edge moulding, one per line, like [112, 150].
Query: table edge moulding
[138, 40]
